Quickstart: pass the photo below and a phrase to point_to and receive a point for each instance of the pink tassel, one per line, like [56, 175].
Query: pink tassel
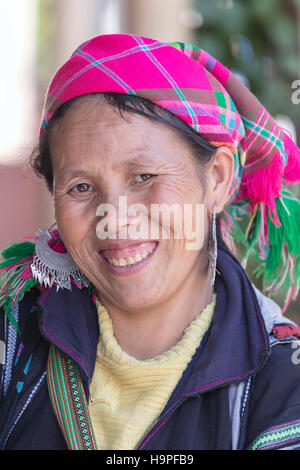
[264, 185]
[23, 261]
[26, 273]
[292, 168]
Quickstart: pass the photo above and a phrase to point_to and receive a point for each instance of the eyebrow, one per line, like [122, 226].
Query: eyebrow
[76, 173]
[140, 160]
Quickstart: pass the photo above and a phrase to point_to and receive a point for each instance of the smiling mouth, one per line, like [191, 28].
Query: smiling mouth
[130, 256]
[129, 260]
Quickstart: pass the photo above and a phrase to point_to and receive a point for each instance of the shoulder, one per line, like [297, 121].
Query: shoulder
[274, 413]
[23, 266]
[16, 277]
[274, 407]
[277, 325]
[36, 264]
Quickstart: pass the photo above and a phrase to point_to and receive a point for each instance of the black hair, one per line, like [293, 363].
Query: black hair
[202, 150]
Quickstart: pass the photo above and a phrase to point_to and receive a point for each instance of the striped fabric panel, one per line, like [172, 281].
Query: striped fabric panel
[170, 78]
[53, 100]
[69, 402]
[278, 436]
[111, 73]
[11, 341]
[264, 136]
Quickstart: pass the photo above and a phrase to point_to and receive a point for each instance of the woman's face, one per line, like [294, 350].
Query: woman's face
[97, 157]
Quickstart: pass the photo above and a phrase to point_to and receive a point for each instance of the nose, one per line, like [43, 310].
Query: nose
[115, 218]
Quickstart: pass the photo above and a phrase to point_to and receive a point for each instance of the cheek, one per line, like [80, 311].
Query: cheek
[76, 224]
[185, 209]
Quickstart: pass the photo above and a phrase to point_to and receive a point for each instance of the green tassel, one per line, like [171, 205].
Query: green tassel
[16, 253]
[245, 236]
[288, 235]
[279, 255]
[12, 286]
[280, 266]
[16, 278]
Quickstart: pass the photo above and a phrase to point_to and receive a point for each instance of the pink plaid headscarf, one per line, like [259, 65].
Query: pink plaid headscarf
[197, 88]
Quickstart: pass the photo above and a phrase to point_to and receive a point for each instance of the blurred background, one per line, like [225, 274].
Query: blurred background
[258, 39]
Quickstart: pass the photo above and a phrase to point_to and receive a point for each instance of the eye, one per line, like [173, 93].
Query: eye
[81, 188]
[143, 177]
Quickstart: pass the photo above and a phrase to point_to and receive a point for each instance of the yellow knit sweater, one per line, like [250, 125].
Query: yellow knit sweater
[127, 395]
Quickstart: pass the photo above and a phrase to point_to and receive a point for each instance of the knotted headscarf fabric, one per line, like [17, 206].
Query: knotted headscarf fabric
[197, 88]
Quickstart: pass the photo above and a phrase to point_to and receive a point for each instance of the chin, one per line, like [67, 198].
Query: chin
[143, 291]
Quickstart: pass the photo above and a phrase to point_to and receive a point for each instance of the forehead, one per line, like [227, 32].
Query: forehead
[92, 118]
[92, 126]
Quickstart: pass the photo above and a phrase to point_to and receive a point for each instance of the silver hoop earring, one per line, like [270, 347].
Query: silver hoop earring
[52, 268]
[212, 254]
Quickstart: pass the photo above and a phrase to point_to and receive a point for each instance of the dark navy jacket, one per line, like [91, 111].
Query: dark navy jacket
[241, 389]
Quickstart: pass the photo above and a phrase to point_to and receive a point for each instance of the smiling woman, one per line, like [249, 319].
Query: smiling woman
[97, 154]
[167, 346]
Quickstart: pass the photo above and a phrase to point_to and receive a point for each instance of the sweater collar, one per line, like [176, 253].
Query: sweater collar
[111, 352]
[235, 347]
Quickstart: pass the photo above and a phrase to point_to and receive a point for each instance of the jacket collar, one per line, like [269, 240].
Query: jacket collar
[237, 343]
[70, 321]
[235, 347]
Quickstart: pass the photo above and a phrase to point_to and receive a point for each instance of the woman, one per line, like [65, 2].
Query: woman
[122, 336]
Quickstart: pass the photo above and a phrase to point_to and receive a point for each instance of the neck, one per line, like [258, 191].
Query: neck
[146, 333]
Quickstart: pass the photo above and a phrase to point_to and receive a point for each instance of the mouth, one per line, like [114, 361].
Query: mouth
[129, 259]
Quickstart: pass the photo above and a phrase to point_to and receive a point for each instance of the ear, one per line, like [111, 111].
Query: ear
[219, 177]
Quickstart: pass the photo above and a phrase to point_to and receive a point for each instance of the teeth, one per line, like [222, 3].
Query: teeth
[129, 260]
